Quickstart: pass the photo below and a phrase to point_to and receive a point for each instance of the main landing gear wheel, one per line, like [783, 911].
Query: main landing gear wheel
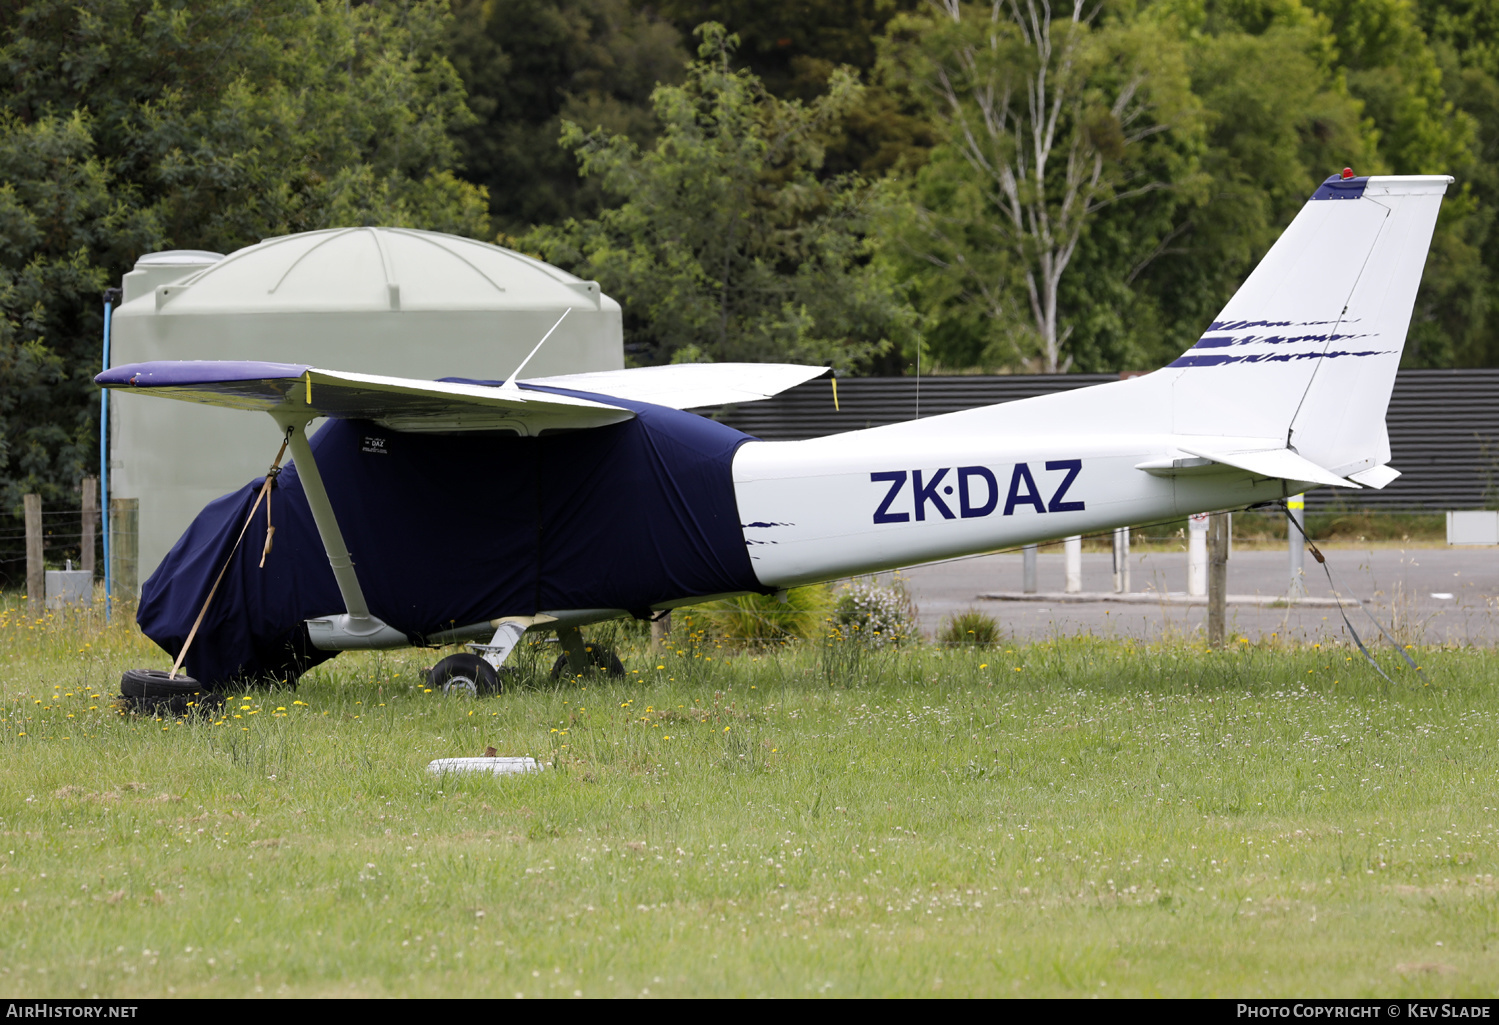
[600, 659]
[464, 674]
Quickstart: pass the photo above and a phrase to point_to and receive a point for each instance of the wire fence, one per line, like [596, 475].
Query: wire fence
[62, 540]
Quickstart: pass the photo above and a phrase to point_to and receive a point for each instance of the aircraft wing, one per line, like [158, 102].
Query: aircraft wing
[689, 385]
[399, 403]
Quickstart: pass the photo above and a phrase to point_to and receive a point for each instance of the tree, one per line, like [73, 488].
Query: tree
[526, 66]
[1050, 117]
[1277, 119]
[1456, 310]
[56, 214]
[128, 126]
[724, 244]
[794, 48]
[1391, 67]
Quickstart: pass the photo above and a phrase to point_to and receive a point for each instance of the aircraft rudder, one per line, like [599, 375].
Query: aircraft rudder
[1306, 350]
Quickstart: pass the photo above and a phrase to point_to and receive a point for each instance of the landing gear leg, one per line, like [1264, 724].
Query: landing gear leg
[578, 661]
[506, 636]
[578, 658]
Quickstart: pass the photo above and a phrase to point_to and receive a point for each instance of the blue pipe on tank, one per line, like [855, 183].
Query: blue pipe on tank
[111, 296]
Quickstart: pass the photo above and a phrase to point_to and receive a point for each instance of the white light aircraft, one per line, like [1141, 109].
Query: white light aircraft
[1286, 390]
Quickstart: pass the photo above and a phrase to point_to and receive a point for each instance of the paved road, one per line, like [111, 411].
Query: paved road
[1399, 587]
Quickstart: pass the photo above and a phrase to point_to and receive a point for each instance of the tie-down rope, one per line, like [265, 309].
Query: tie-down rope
[1322, 560]
[265, 496]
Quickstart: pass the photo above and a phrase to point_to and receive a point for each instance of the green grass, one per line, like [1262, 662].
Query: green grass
[1058, 819]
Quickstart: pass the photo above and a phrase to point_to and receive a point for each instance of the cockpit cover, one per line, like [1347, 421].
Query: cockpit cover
[449, 530]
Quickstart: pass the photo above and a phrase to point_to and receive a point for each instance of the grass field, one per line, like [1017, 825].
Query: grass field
[1068, 819]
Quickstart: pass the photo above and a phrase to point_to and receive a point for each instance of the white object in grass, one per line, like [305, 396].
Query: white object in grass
[493, 766]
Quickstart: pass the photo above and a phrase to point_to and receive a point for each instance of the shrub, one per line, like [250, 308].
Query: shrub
[875, 615]
[765, 619]
[969, 627]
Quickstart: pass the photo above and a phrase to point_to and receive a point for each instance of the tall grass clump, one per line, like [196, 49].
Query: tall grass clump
[760, 619]
[969, 627]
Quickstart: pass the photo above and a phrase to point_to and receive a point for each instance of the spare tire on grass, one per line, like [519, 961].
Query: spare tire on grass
[155, 691]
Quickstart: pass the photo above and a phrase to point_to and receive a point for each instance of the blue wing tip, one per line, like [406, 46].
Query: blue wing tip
[177, 373]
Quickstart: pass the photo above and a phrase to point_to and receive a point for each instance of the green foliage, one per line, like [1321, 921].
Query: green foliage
[526, 66]
[969, 627]
[1384, 55]
[1045, 124]
[1277, 118]
[795, 48]
[58, 223]
[230, 121]
[128, 126]
[1344, 525]
[1455, 311]
[766, 619]
[1278, 95]
[725, 245]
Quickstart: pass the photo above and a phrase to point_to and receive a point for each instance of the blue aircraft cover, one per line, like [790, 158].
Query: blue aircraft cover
[448, 530]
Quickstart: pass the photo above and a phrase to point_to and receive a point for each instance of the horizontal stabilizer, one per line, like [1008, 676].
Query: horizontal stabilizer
[399, 403]
[1275, 462]
[1375, 477]
[689, 385]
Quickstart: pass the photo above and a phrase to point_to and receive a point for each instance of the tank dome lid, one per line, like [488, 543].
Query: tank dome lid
[178, 258]
[371, 269]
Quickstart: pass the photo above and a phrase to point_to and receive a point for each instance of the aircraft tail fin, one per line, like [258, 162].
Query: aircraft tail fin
[1307, 349]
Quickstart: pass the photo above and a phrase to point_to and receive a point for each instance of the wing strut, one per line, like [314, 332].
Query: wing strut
[509, 382]
[356, 628]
